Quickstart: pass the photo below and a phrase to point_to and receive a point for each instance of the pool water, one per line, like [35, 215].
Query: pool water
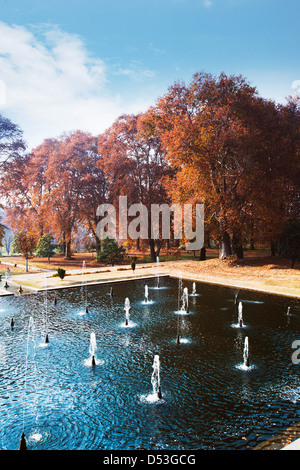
[209, 400]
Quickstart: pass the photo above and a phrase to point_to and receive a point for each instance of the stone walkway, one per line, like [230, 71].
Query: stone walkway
[33, 282]
[193, 271]
[293, 446]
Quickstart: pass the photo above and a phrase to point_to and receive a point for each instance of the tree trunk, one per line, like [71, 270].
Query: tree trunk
[153, 253]
[208, 241]
[273, 249]
[237, 247]
[202, 254]
[98, 245]
[68, 249]
[239, 252]
[225, 246]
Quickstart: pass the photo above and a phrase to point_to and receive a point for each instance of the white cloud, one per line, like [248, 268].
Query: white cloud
[135, 71]
[52, 83]
[296, 87]
[156, 50]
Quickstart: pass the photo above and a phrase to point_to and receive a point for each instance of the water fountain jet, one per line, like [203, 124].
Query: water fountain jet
[22, 445]
[46, 308]
[240, 314]
[30, 337]
[146, 294]
[157, 267]
[84, 287]
[185, 301]
[179, 298]
[246, 353]
[155, 378]
[194, 289]
[92, 348]
[127, 308]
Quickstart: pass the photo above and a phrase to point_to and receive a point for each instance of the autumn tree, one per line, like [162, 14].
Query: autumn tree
[24, 243]
[134, 164]
[23, 187]
[67, 177]
[56, 187]
[271, 186]
[228, 148]
[94, 189]
[214, 141]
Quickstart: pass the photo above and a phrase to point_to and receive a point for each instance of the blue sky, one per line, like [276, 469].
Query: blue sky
[70, 64]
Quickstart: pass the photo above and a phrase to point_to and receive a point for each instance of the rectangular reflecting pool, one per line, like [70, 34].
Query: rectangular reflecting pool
[53, 393]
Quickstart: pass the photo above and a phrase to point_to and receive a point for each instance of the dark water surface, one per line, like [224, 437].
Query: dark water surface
[52, 392]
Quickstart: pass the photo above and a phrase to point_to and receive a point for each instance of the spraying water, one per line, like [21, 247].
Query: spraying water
[128, 323]
[179, 298]
[84, 290]
[127, 308]
[146, 294]
[92, 360]
[30, 342]
[194, 291]
[246, 352]
[179, 290]
[46, 309]
[157, 268]
[155, 378]
[240, 314]
[93, 347]
[185, 300]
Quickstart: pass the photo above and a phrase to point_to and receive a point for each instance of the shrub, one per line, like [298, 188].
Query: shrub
[133, 263]
[45, 247]
[110, 252]
[61, 272]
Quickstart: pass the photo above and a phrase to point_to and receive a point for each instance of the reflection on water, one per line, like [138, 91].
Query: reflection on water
[210, 399]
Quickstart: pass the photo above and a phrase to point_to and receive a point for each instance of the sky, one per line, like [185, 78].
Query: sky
[70, 64]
